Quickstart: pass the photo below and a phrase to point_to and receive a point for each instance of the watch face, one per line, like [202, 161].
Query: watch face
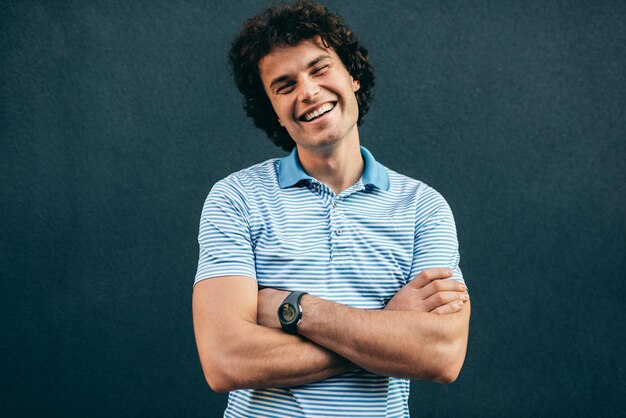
[287, 312]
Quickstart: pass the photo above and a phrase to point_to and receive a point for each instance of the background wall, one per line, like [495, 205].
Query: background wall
[117, 117]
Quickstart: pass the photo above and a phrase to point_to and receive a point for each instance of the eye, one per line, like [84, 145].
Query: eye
[321, 70]
[285, 88]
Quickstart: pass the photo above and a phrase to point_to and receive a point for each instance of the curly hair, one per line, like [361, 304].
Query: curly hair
[287, 25]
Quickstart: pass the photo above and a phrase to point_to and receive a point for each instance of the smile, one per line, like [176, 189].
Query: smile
[320, 111]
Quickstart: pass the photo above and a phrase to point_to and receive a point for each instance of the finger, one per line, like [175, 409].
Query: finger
[448, 308]
[426, 276]
[436, 286]
[444, 298]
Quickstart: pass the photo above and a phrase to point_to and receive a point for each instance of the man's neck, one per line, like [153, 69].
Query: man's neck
[338, 167]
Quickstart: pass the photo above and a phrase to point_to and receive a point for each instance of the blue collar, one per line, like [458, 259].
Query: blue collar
[290, 171]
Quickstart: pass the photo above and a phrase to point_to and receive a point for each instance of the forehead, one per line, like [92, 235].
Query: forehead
[289, 59]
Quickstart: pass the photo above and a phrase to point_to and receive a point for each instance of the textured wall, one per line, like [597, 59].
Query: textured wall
[116, 118]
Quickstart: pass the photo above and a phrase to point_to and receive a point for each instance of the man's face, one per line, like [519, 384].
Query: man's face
[312, 93]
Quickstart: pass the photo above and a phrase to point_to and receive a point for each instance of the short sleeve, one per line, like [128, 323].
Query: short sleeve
[224, 237]
[435, 243]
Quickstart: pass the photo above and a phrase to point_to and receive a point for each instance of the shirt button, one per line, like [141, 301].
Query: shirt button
[338, 232]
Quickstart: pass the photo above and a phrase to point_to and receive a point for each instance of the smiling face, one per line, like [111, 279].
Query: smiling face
[312, 93]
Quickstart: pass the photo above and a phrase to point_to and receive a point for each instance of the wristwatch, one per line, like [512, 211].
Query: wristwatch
[290, 312]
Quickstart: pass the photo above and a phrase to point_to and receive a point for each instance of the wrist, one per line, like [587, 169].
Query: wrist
[289, 312]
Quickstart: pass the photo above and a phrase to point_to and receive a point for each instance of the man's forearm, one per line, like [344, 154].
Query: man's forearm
[422, 334]
[259, 357]
[237, 353]
[409, 344]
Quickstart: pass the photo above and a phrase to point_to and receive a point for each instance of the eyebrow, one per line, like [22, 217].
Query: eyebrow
[309, 65]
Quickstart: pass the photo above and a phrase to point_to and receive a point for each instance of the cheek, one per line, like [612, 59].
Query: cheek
[281, 112]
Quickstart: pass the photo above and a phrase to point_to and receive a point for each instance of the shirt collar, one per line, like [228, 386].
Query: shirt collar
[290, 171]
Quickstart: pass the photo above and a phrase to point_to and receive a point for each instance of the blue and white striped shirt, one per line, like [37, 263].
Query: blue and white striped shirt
[276, 224]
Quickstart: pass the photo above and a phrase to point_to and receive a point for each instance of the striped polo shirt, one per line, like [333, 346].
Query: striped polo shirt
[276, 224]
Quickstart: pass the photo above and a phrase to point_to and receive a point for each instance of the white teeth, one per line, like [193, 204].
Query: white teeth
[323, 109]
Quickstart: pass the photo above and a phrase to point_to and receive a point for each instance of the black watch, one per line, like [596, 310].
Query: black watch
[290, 312]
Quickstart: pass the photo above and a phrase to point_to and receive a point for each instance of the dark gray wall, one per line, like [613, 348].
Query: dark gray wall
[117, 117]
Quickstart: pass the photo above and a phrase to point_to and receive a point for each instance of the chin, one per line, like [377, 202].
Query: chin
[319, 142]
[325, 139]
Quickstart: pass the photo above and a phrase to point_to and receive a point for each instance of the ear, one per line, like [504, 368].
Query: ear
[280, 122]
[356, 84]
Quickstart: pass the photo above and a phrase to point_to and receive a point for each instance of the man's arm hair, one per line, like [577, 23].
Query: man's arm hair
[406, 344]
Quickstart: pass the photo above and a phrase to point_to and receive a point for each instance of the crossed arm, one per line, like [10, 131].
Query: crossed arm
[421, 334]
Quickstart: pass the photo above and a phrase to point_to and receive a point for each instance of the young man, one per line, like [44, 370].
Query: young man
[319, 290]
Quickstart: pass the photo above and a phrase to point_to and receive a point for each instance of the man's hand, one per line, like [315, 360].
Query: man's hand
[427, 293]
[267, 306]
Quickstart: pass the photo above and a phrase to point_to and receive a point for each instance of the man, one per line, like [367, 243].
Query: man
[368, 245]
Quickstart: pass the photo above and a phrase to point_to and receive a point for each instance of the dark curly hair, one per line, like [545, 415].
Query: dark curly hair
[287, 25]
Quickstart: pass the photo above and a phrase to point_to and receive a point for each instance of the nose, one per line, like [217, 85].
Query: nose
[307, 89]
